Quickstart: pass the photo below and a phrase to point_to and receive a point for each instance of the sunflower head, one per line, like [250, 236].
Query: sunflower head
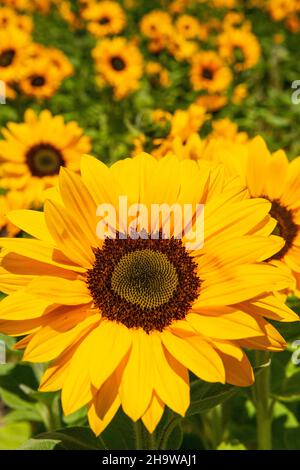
[125, 317]
[120, 64]
[37, 159]
[104, 19]
[13, 45]
[239, 47]
[208, 72]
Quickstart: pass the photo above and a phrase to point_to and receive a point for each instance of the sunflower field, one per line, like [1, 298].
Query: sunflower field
[134, 329]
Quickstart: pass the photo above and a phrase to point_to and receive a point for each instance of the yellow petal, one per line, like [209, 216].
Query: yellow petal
[234, 325]
[69, 237]
[271, 341]
[31, 222]
[110, 342]
[55, 376]
[51, 340]
[24, 306]
[170, 378]
[237, 366]
[234, 220]
[269, 307]
[137, 381]
[104, 406]
[59, 290]
[257, 166]
[154, 413]
[78, 201]
[277, 175]
[197, 355]
[39, 251]
[77, 387]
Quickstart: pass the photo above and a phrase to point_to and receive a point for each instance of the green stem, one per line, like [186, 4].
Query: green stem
[144, 440]
[167, 432]
[262, 402]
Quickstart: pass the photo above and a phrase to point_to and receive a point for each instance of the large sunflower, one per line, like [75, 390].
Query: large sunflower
[120, 64]
[104, 19]
[208, 72]
[124, 319]
[32, 152]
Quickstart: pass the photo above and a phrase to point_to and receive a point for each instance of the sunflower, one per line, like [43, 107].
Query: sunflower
[104, 18]
[43, 71]
[59, 61]
[156, 24]
[120, 64]
[272, 176]
[239, 47]
[188, 26]
[181, 48]
[55, 58]
[32, 152]
[39, 79]
[233, 19]
[125, 318]
[208, 72]
[13, 44]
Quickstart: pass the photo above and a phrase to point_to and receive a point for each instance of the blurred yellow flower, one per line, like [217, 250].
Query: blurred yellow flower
[240, 48]
[120, 64]
[104, 18]
[208, 72]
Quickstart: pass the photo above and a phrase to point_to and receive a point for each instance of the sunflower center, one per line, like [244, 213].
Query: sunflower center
[104, 20]
[44, 160]
[286, 227]
[143, 283]
[207, 73]
[118, 63]
[38, 80]
[7, 57]
[145, 278]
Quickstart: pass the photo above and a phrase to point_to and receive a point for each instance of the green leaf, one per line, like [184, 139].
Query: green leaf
[42, 444]
[120, 434]
[290, 391]
[77, 438]
[24, 414]
[205, 396]
[13, 435]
